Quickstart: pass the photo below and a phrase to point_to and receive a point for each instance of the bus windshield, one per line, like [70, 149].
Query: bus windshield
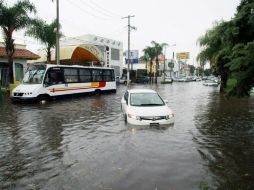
[34, 74]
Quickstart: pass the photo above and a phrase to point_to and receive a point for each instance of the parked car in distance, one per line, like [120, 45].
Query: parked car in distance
[198, 79]
[145, 107]
[142, 79]
[117, 78]
[123, 80]
[210, 83]
[167, 80]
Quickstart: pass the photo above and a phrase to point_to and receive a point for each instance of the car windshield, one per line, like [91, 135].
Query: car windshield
[146, 99]
[34, 74]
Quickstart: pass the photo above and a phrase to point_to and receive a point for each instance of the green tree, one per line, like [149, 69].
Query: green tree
[14, 18]
[158, 48]
[46, 33]
[192, 69]
[217, 47]
[150, 53]
[228, 46]
[145, 58]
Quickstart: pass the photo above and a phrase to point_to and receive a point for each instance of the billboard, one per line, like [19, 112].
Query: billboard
[183, 55]
[133, 56]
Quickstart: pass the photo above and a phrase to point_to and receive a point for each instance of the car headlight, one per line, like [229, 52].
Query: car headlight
[169, 116]
[133, 116]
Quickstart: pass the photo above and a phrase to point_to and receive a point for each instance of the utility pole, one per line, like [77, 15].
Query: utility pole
[129, 31]
[164, 68]
[57, 34]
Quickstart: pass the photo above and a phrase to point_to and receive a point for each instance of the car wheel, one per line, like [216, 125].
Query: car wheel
[125, 118]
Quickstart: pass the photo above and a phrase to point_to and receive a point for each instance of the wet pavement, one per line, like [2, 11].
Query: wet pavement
[84, 143]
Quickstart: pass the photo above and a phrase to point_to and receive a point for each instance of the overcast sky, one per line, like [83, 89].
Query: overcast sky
[179, 22]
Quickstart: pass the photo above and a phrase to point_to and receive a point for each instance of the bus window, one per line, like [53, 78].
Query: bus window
[97, 75]
[70, 75]
[108, 75]
[85, 75]
[54, 76]
[34, 74]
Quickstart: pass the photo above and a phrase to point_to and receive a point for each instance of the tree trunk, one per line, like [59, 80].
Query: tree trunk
[48, 55]
[9, 47]
[150, 74]
[156, 69]
[223, 82]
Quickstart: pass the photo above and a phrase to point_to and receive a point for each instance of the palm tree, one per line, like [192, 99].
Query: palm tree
[46, 33]
[12, 19]
[158, 48]
[217, 47]
[151, 54]
[145, 58]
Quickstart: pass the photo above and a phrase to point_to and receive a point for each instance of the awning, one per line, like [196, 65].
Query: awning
[75, 54]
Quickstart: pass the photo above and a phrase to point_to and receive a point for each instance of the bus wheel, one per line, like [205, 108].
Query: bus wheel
[43, 99]
[97, 92]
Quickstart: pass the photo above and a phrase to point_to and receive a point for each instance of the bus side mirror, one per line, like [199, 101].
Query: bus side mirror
[45, 84]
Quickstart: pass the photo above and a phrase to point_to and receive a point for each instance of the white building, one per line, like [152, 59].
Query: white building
[20, 59]
[112, 50]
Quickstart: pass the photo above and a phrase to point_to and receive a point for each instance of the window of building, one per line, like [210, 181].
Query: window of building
[115, 54]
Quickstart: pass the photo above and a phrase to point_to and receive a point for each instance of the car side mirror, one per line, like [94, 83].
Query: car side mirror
[166, 101]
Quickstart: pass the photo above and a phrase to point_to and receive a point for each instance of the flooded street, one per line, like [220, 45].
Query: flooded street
[84, 143]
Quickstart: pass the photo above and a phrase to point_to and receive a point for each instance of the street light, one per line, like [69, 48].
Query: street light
[164, 68]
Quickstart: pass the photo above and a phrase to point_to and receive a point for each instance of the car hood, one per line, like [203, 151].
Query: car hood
[150, 110]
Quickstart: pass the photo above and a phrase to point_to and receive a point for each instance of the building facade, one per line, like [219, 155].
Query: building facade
[20, 59]
[112, 50]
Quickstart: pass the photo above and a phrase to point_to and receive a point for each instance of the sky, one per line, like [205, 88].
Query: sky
[179, 22]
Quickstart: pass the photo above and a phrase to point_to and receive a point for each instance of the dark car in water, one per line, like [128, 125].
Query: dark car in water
[142, 79]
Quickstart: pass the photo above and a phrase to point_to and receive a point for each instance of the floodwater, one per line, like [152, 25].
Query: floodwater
[84, 143]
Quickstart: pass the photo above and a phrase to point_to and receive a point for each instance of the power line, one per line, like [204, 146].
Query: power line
[97, 9]
[104, 8]
[73, 3]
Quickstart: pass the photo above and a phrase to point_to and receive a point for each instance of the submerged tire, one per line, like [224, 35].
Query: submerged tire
[43, 98]
[97, 92]
[125, 118]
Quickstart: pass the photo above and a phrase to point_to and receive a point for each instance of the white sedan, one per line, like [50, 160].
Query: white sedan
[145, 107]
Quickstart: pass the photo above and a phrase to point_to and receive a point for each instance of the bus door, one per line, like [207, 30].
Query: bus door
[54, 81]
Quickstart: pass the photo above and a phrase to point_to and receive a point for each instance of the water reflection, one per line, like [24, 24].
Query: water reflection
[84, 143]
[226, 141]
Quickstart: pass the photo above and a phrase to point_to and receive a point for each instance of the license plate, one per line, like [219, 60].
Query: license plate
[154, 124]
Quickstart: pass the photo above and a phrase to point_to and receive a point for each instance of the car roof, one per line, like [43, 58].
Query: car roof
[141, 91]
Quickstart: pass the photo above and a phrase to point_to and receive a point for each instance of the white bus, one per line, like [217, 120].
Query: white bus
[44, 81]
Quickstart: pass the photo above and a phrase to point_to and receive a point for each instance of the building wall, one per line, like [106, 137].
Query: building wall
[110, 56]
[16, 61]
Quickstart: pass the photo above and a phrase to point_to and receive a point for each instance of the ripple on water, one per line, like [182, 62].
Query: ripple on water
[85, 143]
